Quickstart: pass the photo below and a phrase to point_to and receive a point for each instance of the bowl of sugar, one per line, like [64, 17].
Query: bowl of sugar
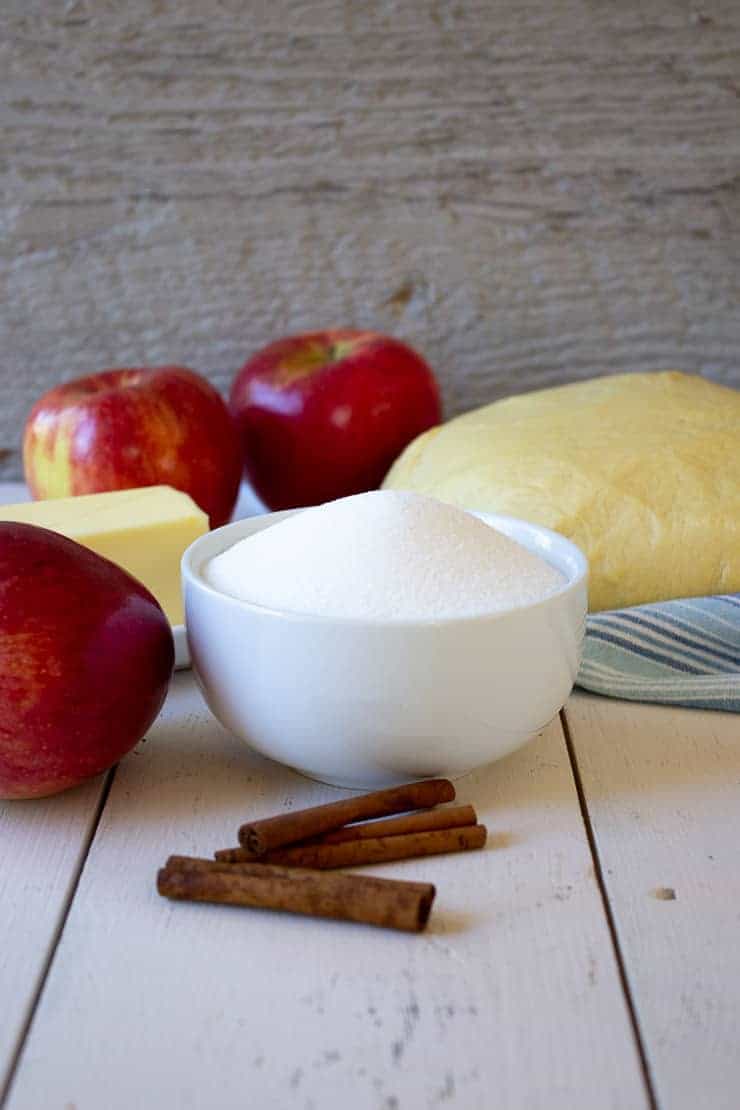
[384, 637]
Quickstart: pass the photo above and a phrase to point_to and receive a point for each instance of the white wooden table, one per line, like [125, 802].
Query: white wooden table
[588, 957]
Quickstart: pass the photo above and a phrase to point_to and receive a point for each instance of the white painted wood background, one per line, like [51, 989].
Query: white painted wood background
[529, 190]
[587, 958]
[512, 992]
[513, 996]
[663, 794]
[43, 846]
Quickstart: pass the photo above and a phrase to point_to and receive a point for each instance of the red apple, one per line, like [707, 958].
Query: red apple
[86, 656]
[121, 429]
[324, 415]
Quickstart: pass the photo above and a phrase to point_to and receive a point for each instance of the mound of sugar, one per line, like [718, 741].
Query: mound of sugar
[384, 555]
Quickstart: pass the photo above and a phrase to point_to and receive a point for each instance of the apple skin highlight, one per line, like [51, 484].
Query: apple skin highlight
[126, 428]
[324, 415]
[86, 656]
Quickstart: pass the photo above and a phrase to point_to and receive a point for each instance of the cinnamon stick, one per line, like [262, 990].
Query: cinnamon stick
[356, 853]
[448, 817]
[390, 903]
[260, 837]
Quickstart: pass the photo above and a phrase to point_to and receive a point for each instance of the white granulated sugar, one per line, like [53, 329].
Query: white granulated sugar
[383, 555]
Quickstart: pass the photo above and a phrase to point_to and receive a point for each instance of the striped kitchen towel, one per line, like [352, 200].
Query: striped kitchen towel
[684, 652]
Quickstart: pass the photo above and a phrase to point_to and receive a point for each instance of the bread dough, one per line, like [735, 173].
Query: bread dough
[642, 471]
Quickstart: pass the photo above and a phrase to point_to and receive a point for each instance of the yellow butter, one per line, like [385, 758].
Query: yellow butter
[143, 530]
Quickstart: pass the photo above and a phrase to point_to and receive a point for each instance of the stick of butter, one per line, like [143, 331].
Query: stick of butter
[144, 530]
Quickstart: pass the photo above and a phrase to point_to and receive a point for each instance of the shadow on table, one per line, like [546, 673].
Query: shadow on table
[190, 770]
[628, 748]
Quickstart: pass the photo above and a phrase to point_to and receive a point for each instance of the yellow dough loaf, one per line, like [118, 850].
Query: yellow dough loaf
[642, 471]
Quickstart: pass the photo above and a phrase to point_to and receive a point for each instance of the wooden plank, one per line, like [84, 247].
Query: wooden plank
[511, 998]
[529, 192]
[42, 848]
[663, 793]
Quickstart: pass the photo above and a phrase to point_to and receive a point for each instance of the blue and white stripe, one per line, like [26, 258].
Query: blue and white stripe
[684, 652]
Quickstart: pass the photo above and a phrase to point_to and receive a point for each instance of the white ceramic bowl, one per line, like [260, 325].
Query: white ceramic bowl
[370, 703]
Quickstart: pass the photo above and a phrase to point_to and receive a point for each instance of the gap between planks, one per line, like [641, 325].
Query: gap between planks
[100, 808]
[598, 872]
[380, 1000]
[56, 938]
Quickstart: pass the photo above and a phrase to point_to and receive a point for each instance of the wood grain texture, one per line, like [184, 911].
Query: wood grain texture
[528, 191]
[663, 793]
[42, 848]
[511, 993]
